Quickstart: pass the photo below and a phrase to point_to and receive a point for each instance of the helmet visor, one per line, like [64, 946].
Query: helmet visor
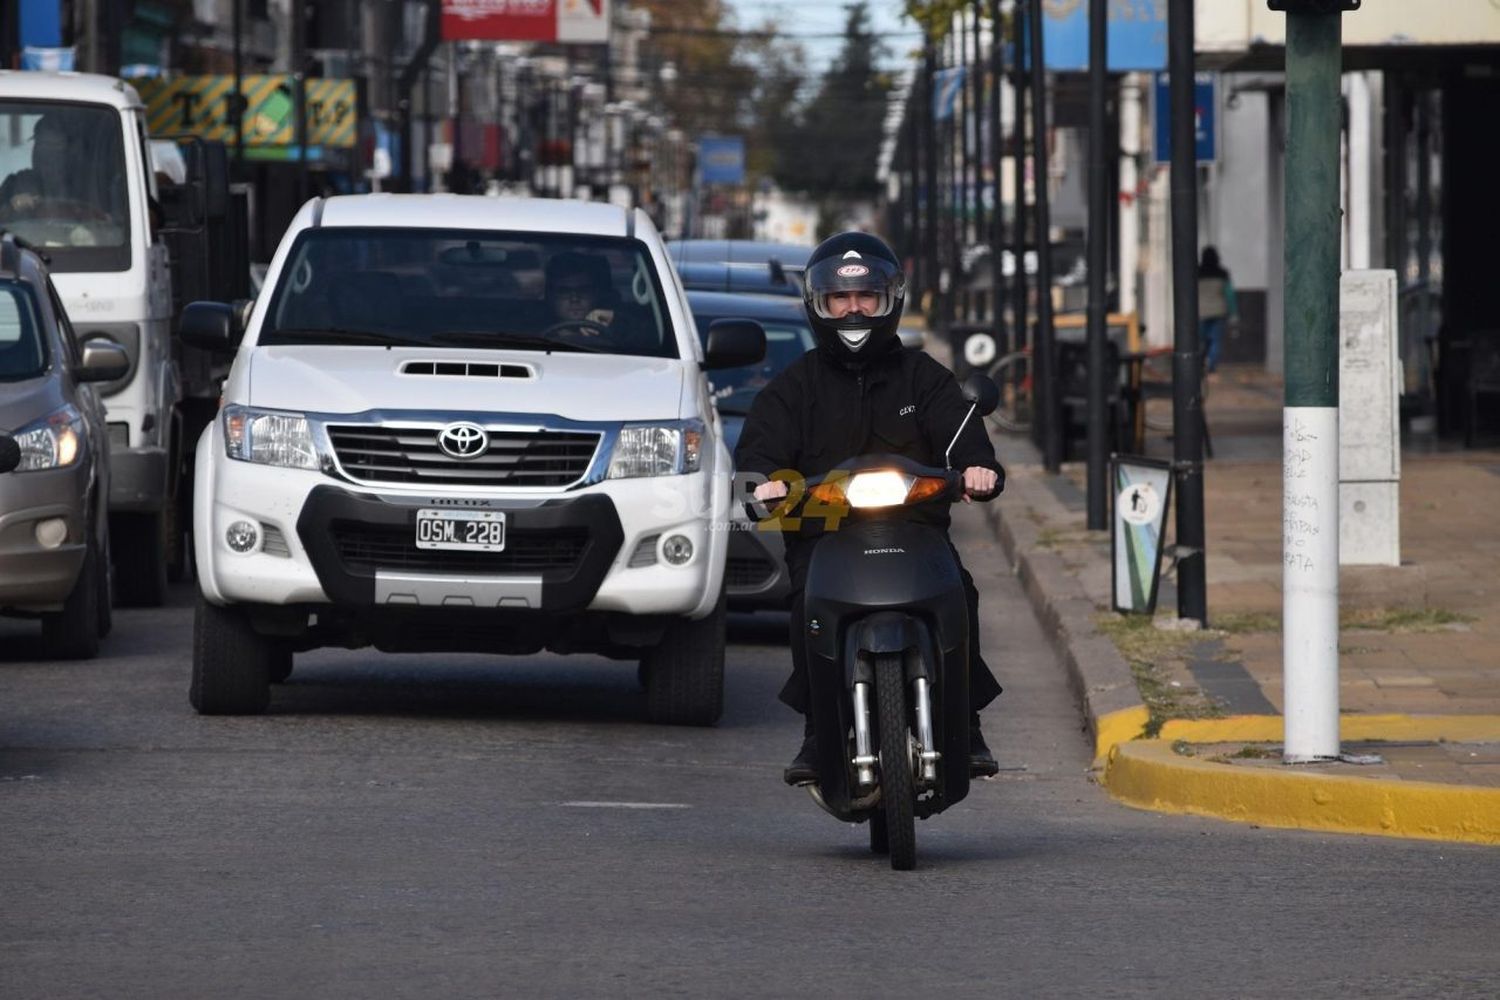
[836, 288]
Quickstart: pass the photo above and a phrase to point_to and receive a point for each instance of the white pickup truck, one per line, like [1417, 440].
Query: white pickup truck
[464, 424]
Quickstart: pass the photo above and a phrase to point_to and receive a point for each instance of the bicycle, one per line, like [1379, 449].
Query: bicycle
[1013, 374]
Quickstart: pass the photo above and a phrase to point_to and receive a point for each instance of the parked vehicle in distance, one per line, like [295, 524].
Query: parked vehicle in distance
[54, 461]
[755, 574]
[740, 266]
[470, 424]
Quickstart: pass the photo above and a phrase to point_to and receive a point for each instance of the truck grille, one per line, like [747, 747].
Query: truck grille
[369, 547]
[376, 454]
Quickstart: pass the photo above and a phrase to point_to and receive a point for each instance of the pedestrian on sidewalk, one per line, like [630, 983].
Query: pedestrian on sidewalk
[1218, 307]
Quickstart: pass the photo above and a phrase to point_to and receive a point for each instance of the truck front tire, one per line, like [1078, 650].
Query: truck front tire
[685, 674]
[232, 663]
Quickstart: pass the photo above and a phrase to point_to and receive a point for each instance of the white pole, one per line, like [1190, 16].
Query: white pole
[1310, 582]
[1360, 153]
[1130, 224]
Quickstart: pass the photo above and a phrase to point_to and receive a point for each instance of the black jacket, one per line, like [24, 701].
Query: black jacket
[818, 413]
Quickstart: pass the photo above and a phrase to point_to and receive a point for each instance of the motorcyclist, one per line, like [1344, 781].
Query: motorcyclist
[858, 392]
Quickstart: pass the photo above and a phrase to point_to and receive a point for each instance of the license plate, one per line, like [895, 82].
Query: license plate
[467, 530]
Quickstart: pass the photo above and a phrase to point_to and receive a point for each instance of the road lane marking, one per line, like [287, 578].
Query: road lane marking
[625, 805]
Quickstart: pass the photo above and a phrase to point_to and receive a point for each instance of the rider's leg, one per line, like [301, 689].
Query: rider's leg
[794, 693]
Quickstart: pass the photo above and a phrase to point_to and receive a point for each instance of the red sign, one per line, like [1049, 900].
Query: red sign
[574, 21]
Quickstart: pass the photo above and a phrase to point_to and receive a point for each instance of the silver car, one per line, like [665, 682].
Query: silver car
[54, 461]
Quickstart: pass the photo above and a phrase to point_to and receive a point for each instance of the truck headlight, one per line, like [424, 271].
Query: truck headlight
[53, 442]
[665, 449]
[269, 437]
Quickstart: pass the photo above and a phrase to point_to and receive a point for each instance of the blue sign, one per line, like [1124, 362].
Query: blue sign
[41, 23]
[1205, 102]
[946, 83]
[721, 159]
[1137, 35]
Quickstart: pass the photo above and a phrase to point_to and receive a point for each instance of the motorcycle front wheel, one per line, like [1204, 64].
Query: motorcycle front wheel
[897, 788]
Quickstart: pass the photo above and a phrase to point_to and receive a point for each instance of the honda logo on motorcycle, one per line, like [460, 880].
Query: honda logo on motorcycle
[463, 440]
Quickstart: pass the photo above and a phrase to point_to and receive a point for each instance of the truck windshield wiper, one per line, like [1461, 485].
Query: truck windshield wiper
[475, 338]
[339, 335]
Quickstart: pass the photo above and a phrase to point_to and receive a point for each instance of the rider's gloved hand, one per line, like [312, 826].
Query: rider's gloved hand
[978, 481]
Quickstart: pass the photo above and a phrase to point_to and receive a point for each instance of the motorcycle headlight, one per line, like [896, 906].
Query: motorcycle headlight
[668, 449]
[879, 488]
[269, 437]
[53, 442]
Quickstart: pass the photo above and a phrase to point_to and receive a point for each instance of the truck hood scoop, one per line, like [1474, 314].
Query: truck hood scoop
[468, 369]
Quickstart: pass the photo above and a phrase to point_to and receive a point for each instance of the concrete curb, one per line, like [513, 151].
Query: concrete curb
[1099, 675]
[1149, 775]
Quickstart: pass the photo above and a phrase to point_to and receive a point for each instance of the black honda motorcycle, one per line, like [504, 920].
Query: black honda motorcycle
[887, 633]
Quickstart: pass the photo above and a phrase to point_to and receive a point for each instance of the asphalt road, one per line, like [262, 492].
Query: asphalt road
[457, 826]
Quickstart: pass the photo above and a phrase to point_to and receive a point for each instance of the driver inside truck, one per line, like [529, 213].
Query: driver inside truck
[582, 302]
[24, 191]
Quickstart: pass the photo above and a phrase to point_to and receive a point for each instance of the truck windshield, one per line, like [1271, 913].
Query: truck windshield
[62, 182]
[462, 289]
[23, 353]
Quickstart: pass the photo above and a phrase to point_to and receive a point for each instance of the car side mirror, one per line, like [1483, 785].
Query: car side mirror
[733, 343]
[981, 392]
[103, 361]
[10, 453]
[211, 326]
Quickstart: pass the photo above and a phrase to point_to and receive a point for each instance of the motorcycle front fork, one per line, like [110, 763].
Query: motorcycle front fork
[864, 751]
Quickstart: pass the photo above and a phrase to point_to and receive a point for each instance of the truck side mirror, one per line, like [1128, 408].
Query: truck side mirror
[103, 361]
[733, 343]
[210, 326]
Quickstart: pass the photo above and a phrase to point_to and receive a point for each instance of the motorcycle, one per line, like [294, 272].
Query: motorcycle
[887, 634]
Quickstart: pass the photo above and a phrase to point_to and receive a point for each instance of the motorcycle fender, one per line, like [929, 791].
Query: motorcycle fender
[888, 632]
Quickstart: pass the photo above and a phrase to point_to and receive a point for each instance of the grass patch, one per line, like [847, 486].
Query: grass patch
[1245, 622]
[1147, 649]
[1369, 619]
[1401, 619]
[1252, 753]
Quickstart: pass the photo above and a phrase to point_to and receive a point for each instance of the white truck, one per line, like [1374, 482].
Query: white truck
[465, 424]
[77, 182]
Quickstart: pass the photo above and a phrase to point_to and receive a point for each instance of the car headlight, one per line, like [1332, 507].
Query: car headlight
[269, 437]
[53, 442]
[666, 449]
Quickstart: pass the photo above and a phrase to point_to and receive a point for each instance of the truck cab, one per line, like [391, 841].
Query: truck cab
[76, 183]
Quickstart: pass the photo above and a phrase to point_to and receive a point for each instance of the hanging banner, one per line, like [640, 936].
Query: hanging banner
[570, 22]
[1205, 116]
[1143, 489]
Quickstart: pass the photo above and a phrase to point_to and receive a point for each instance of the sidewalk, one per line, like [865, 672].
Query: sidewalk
[1419, 650]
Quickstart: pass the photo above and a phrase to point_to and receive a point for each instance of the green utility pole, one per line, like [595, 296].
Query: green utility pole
[1310, 418]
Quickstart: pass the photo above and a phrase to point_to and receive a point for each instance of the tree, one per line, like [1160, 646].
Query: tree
[837, 142]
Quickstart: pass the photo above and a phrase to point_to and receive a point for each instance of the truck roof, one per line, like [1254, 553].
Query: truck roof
[89, 88]
[455, 211]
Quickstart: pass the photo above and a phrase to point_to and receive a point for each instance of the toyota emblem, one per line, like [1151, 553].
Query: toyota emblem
[463, 440]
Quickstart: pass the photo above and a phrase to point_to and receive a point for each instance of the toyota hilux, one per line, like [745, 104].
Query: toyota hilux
[464, 424]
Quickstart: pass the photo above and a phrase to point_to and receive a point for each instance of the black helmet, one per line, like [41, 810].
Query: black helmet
[854, 262]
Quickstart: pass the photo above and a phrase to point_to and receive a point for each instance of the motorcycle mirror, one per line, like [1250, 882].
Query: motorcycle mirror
[981, 391]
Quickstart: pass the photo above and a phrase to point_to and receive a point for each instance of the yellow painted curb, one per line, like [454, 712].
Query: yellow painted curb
[1120, 726]
[1149, 775]
[1268, 728]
